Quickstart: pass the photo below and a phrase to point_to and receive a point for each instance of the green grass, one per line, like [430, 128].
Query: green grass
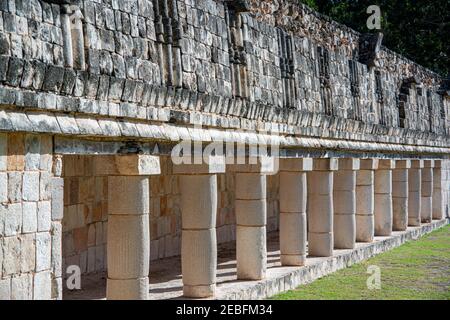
[416, 270]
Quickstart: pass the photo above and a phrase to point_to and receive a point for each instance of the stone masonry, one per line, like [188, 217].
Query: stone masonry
[96, 97]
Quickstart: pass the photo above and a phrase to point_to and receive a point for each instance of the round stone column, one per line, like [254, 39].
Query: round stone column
[128, 238]
[293, 195]
[400, 195]
[415, 193]
[344, 195]
[426, 212]
[251, 217]
[438, 209]
[320, 207]
[383, 198]
[198, 190]
[365, 177]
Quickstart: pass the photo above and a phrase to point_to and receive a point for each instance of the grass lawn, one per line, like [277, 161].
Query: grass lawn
[416, 270]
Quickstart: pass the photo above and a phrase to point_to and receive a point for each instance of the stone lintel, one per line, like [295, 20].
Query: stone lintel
[386, 164]
[296, 164]
[417, 164]
[428, 163]
[403, 164]
[127, 165]
[368, 164]
[330, 164]
[212, 165]
[264, 165]
[349, 164]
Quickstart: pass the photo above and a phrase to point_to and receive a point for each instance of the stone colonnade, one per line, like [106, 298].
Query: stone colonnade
[325, 204]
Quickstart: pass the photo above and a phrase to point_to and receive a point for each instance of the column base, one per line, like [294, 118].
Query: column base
[320, 244]
[344, 231]
[127, 289]
[414, 222]
[201, 291]
[251, 253]
[293, 260]
[364, 228]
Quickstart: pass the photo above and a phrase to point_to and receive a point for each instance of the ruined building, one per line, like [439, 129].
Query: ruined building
[95, 95]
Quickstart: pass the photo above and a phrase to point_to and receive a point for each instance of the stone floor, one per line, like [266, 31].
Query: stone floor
[166, 280]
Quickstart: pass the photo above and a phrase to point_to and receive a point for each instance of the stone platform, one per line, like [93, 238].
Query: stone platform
[166, 281]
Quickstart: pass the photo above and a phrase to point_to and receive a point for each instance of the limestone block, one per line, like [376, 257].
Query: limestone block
[426, 214]
[414, 208]
[383, 181]
[365, 226]
[251, 252]
[344, 180]
[400, 213]
[320, 213]
[400, 189]
[57, 191]
[127, 165]
[11, 255]
[128, 195]
[364, 200]
[261, 164]
[293, 233]
[368, 164]
[251, 212]
[330, 164]
[198, 201]
[344, 202]
[56, 258]
[28, 253]
[15, 186]
[383, 214]
[344, 231]
[250, 186]
[438, 206]
[43, 251]
[388, 164]
[320, 244]
[210, 165]
[44, 219]
[29, 217]
[403, 164]
[320, 182]
[129, 289]
[12, 218]
[5, 289]
[199, 261]
[365, 177]
[128, 246]
[42, 286]
[296, 164]
[417, 164]
[349, 164]
[414, 180]
[400, 175]
[3, 151]
[30, 186]
[293, 192]
[22, 287]
[3, 187]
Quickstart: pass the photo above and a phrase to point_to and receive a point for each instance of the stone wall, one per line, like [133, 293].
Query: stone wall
[84, 225]
[30, 218]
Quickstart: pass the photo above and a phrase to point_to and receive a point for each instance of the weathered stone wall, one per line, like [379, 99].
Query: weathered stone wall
[165, 60]
[84, 225]
[30, 218]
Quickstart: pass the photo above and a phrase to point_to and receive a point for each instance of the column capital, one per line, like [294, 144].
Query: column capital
[386, 164]
[428, 163]
[438, 163]
[417, 164]
[329, 164]
[296, 164]
[263, 165]
[403, 164]
[212, 165]
[368, 164]
[349, 164]
[127, 165]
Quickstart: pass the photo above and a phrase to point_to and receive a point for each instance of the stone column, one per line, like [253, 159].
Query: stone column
[251, 218]
[320, 207]
[198, 189]
[128, 244]
[293, 194]
[344, 195]
[414, 193]
[426, 211]
[400, 195]
[438, 209]
[383, 197]
[365, 177]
